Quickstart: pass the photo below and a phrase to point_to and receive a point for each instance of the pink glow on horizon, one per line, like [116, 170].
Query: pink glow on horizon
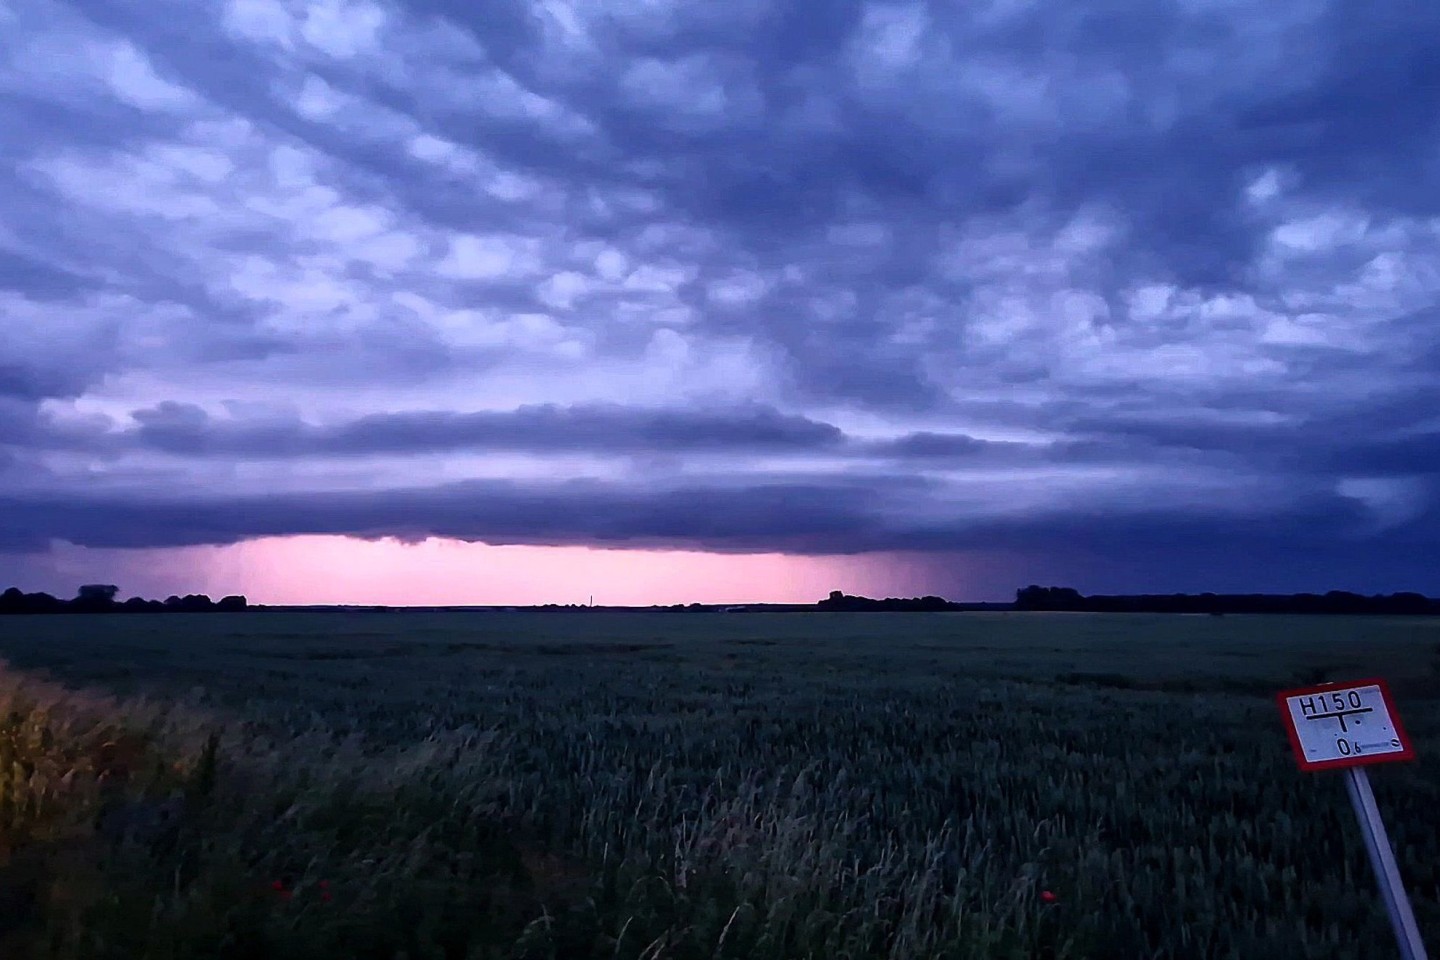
[335, 569]
[330, 570]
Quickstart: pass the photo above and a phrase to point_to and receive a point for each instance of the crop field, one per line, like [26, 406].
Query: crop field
[638, 786]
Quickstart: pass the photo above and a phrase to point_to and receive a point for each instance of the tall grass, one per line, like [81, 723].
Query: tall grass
[460, 797]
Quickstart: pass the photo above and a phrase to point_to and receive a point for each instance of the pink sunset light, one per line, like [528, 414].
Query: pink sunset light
[313, 569]
[333, 570]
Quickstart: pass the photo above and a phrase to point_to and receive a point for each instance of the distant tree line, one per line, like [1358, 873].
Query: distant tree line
[1336, 601]
[844, 602]
[100, 598]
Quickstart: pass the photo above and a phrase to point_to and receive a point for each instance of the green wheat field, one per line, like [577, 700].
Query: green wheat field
[620, 785]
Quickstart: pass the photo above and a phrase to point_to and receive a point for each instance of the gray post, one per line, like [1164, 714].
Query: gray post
[1382, 858]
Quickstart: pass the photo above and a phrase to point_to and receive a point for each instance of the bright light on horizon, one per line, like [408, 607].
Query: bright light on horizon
[322, 570]
[452, 572]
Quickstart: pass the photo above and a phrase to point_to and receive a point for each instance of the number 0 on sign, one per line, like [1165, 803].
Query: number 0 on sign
[1344, 725]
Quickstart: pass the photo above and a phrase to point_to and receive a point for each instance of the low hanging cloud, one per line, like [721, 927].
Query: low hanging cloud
[187, 429]
[815, 514]
[1150, 282]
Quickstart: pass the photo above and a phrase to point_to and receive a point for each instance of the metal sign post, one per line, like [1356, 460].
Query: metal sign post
[1348, 726]
[1382, 858]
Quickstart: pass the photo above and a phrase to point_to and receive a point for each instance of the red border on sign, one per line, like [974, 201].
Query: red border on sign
[1406, 751]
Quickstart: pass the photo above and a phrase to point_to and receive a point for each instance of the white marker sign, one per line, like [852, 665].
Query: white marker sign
[1342, 725]
[1349, 725]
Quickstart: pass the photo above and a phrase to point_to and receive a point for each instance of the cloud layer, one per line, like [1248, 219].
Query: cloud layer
[1149, 288]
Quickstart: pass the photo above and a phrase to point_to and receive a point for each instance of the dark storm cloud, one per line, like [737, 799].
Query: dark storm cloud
[944, 445]
[1063, 261]
[1164, 110]
[187, 429]
[1248, 441]
[24, 382]
[736, 517]
[1396, 436]
[822, 516]
[36, 278]
[1413, 455]
[926, 448]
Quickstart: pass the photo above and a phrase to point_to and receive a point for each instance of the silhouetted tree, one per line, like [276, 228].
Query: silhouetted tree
[838, 601]
[94, 598]
[1036, 597]
[196, 603]
[100, 598]
[12, 601]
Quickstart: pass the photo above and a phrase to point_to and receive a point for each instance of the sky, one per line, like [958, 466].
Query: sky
[524, 301]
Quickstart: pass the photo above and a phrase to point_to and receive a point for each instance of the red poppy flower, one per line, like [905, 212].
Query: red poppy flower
[1047, 896]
